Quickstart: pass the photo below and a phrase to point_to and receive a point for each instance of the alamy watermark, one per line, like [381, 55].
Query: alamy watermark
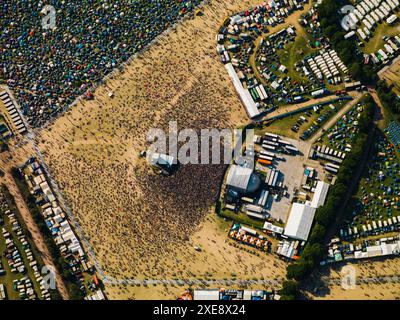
[349, 21]
[49, 17]
[189, 146]
[349, 277]
[49, 277]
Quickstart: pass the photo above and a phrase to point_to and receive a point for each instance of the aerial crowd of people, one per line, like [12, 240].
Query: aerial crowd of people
[49, 68]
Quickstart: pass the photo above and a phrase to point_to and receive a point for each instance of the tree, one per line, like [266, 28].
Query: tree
[299, 271]
[318, 233]
[356, 70]
[4, 146]
[74, 292]
[312, 253]
[323, 214]
[289, 291]
[330, 31]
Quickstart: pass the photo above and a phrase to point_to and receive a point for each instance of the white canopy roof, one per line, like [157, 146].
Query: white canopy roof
[162, 159]
[321, 191]
[300, 220]
[239, 177]
[244, 94]
[206, 295]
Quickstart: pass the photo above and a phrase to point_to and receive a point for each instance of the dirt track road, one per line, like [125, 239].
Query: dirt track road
[281, 111]
[333, 120]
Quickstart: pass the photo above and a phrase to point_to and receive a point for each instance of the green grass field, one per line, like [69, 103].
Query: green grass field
[387, 117]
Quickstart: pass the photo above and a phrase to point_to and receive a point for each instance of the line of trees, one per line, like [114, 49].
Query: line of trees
[325, 215]
[59, 262]
[348, 51]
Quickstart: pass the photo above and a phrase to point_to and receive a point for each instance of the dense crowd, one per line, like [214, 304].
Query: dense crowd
[48, 69]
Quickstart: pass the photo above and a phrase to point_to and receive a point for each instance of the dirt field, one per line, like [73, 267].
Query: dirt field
[365, 291]
[219, 259]
[144, 226]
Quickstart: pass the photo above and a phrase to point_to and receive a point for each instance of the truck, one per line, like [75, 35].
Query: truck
[267, 158]
[319, 93]
[268, 147]
[298, 99]
[292, 149]
[268, 135]
[331, 170]
[266, 153]
[331, 165]
[264, 162]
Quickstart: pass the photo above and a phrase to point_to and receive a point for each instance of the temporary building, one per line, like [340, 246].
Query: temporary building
[320, 194]
[270, 227]
[162, 159]
[243, 179]
[393, 18]
[300, 221]
[244, 94]
[287, 249]
[206, 295]
[349, 35]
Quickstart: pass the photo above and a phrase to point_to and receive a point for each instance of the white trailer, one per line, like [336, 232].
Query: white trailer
[371, 20]
[376, 3]
[393, 45]
[259, 93]
[263, 91]
[365, 7]
[335, 166]
[388, 48]
[392, 19]
[263, 157]
[266, 153]
[361, 34]
[374, 58]
[383, 54]
[387, 7]
[369, 4]
[391, 4]
[376, 17]
[268, 147]
[268, 135]
[380, 14]
[361, 9]
[331, 170]
[358, 14]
